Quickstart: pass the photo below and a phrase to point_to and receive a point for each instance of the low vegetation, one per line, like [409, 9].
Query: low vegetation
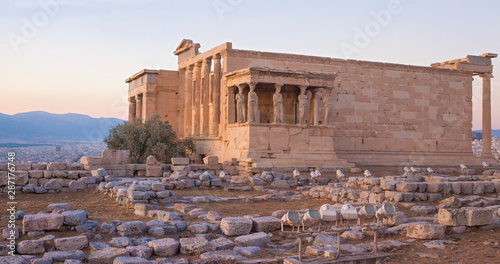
[152, 137]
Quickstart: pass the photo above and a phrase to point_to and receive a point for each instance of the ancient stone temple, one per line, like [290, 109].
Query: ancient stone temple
[283, 110]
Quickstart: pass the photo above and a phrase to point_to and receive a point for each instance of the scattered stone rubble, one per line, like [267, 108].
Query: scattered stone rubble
[180, 232]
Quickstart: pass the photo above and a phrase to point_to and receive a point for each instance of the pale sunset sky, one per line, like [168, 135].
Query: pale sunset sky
[64, 56]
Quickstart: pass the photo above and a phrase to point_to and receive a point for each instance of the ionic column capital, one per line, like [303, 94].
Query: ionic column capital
[486, 75]
[207, 60]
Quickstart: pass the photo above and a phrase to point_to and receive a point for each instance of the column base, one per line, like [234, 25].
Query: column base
[487, 155]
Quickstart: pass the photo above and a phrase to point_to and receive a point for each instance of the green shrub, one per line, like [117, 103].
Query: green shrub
[152, 137]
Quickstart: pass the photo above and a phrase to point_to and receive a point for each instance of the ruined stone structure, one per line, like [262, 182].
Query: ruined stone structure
[283, 110]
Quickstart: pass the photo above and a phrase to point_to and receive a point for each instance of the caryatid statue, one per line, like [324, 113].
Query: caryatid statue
[303, 105]
[278, 104]
[253, 102]
[309, 96]
[328, 101]
[240, 104]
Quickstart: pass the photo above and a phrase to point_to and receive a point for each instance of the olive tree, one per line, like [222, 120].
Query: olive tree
[152, 137]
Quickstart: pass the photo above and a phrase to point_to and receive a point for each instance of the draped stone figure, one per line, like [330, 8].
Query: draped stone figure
[240, 106]
[278, 105]
[302, 109]
[308, 107]
[328, 101]
[253, 102]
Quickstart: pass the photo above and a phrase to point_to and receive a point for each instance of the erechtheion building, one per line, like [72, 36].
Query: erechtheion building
[283, 110]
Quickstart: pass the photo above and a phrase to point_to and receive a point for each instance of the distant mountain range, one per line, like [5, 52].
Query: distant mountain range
[39, 125]
[494, 132]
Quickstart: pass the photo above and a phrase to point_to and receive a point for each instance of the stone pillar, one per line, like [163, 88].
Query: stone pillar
[131, 109]
[278, 114]
[240, 104]
[188, 112]
[215, 96]
[315, 110]
[205, 96]
[253, 104]
[486, 114]
[181, 107]
[196, 97]
[303, 105]
[138, 106]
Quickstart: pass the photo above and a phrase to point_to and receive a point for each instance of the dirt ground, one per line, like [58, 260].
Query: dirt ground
[243, 208]
[99, 206]
[471, 247]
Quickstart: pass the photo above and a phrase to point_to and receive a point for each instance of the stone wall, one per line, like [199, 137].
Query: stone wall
[56, 176]
[383, 109]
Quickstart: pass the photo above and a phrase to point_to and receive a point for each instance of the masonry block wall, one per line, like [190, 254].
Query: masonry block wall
[397, 111]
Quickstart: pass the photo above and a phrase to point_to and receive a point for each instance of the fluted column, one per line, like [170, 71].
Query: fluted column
[181, 107]
[215, 98]
[188, 112]
[486, 114]
[197, 98]
[138, 106]
[131, 109]
[314, 118]
[205, 96]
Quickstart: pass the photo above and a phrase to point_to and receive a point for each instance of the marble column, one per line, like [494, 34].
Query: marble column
[138, 106]
[131, 109]
[216, 93]
[315, 116]
[181, 108]
[253, 104]
[486, 114]
[188, 112]
[278, 104]
[205, 96]
[197, 98]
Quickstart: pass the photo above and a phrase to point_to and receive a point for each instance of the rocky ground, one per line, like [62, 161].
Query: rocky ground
[447, 216]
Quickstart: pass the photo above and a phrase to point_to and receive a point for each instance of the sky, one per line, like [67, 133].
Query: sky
[73, 56]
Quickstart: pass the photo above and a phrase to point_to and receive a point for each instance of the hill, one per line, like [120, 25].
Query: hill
[494, 133]
[39, 125]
